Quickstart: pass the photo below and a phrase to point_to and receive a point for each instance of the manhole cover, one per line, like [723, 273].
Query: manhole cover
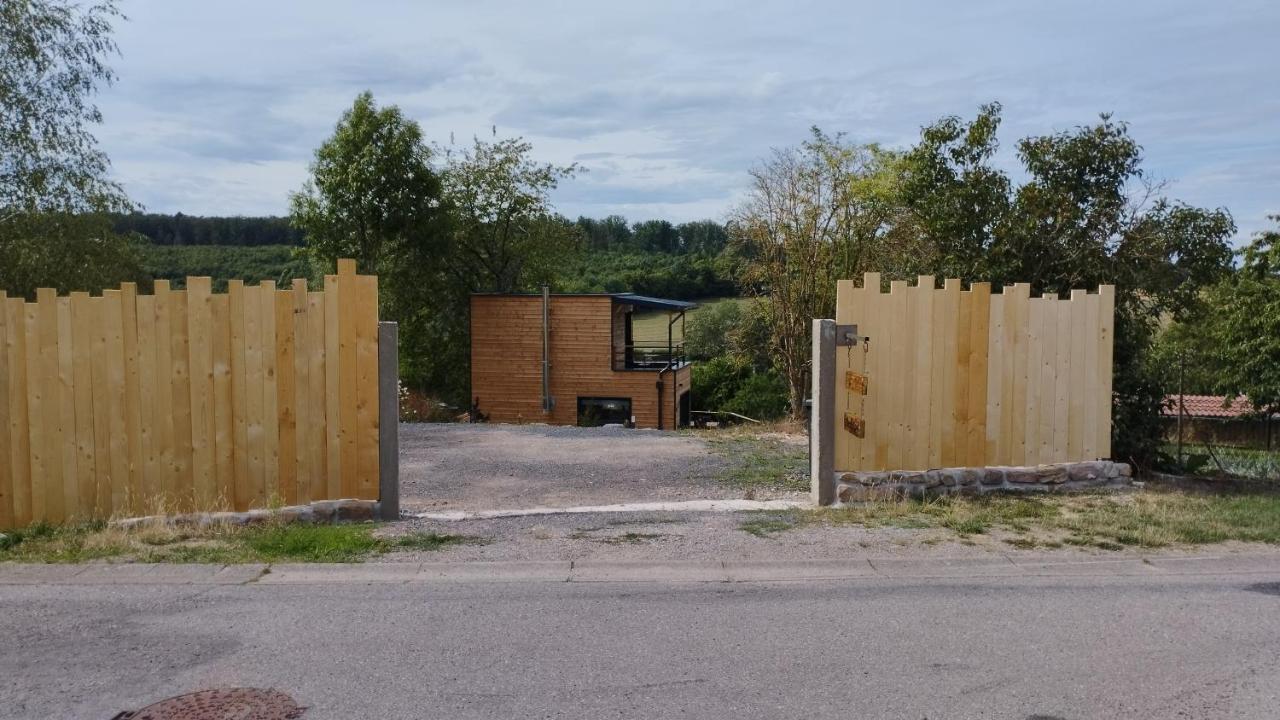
[221, 704]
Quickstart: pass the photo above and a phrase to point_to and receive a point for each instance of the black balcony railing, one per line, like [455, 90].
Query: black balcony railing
[651, 355]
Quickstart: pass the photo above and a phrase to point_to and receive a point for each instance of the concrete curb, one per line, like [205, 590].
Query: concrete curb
[999, 566]
[672, 506]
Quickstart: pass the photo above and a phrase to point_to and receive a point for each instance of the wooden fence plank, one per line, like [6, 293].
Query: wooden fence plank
[151, 489]
[200, 361]
[366, 338]
[870, 326]
[1045, 375]
[50, 485]
[1021, 299]
[948, 365]
[1075, 430]
[180, 388]
[270, 398]
[347, 415]
[164, 435]
[67, 414]
[1106, 351]
[223, 405]
[35, 429]
[896, 355]
[255, 433]
[979, 327]
[239, 396]
[994, 453]
[101, 408]
[922, 388]
[82, 399]
[6, 467]
[19, 458]
[116, 426]
[1062, 382]
[317, 372]
[286, 397]
[132, 396]
[1035, 360]
[302, 386]
[1092, 405]
[333, 440]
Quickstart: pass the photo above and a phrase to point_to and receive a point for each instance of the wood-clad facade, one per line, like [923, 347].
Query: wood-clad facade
[589, 361]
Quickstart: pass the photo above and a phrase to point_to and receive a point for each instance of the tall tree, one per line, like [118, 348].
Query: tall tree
[55, 188]
[812, 214]
[504, 235]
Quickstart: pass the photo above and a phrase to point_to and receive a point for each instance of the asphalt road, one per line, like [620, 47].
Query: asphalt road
[1075, 642]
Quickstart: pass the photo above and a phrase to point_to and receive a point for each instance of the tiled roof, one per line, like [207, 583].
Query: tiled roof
[1208, 406]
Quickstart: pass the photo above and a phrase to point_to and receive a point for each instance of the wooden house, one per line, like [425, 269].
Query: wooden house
[576, 360]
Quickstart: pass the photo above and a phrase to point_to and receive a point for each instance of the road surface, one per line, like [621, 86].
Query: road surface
[1185, 638]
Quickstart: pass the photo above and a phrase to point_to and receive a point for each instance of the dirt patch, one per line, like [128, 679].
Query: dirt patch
[493, 466]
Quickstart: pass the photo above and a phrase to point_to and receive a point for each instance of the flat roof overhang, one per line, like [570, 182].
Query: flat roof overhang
[644, 301]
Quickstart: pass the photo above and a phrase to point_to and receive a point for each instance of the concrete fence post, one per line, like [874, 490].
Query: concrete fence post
[389, 420]
[822, 418]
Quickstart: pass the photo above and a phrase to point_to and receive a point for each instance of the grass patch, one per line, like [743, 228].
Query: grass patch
[626, 538]
[758, 462]
[222, 544]
[767, 526]
[1109, 521]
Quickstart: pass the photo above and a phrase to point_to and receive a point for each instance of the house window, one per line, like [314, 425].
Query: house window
[595, 411]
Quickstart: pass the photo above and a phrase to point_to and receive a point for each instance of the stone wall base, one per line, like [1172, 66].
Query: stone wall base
[1059, 477]
[323, 511]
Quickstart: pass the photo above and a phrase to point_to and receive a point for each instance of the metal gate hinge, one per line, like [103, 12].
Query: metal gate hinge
[846, 335]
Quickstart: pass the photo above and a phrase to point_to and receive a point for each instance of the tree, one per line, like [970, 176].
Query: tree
[504, 236]
[813, 214]
[705, 237]
[656, 236]
[54, 179]
[373, 195]
[1086, 215]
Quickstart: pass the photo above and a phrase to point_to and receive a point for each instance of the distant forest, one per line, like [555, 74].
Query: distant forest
[703, 237]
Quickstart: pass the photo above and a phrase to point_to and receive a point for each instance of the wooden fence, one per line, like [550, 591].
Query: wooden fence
[968, 378]
[126, 404]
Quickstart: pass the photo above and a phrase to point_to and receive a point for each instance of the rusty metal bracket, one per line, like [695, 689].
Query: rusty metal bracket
[855, 425]
[847, 335]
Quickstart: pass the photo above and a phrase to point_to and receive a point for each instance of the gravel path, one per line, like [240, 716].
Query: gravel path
[491, 466]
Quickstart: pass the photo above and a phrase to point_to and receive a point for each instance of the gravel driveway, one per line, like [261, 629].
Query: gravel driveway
[491, 466]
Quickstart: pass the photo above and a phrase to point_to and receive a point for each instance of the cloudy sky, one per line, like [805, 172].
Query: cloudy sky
[667, 104]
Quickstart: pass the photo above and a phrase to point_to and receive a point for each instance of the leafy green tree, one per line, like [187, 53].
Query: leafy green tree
[704, 237]
[504, 235]
[373, 195]
[656, 236]
[55, 188]
[1086, 215]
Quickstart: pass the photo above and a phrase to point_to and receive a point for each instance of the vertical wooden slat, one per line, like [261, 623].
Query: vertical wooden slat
[151, 489]
[240, 396]
[6, 467]
[1035, 359]
[102, 408]
[200, 345]
[82, 330]
[921, 380]
[870, 326]
[333, 440]
[67, 414]
[1021, 299]
[935, 371]
[19, 459]
[163, 435]
[347, 418]
[995, 450]
[317, 369]
[180, 377]
[1092, 405]
[1106, 352]
[366, 339]
[223, 404]
[848, 309]
[1045, 378]
[49, 493]
[979, 329]
[1075, 432]
[1062, 381]
[286, 398]
[302, 386]
[255, 433]
[132, 395]
[948, 420]
[116, 425]
[896, 354]
[270, 398]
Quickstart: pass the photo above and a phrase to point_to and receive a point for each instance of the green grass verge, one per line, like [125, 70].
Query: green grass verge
[1110, 521]
[271, 542]
[757, 462]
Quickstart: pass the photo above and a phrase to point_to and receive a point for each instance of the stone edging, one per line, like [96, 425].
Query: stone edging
[323, 511]
[1059, 477]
